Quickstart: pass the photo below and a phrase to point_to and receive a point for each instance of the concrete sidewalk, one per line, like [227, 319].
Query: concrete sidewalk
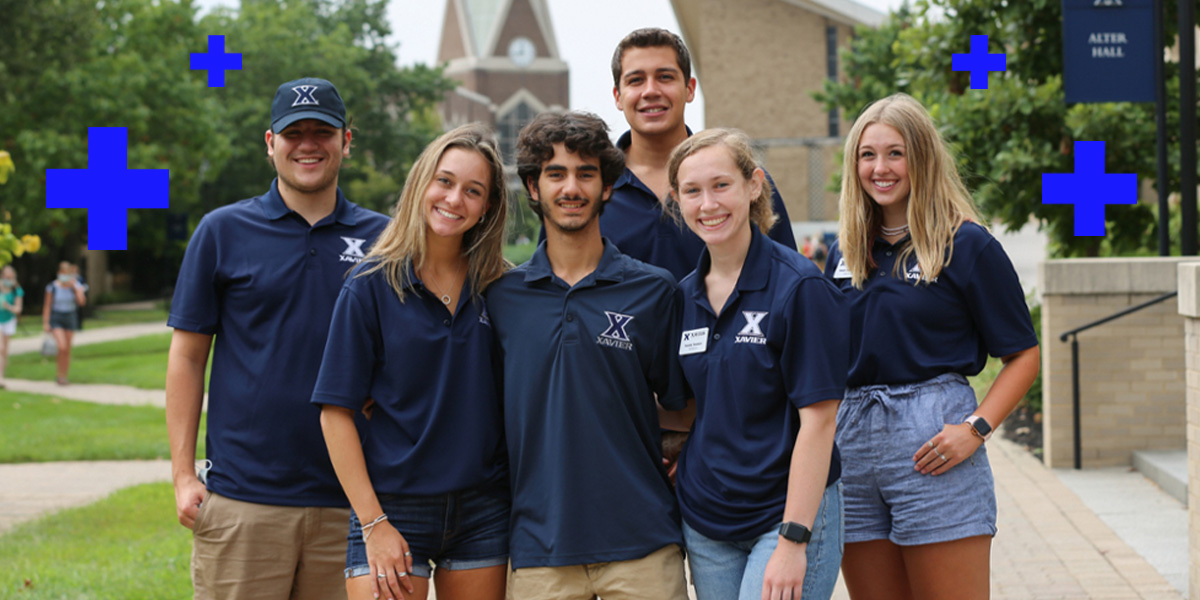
[91, 336]
[31, 490]
[90, 392]
[99, 393]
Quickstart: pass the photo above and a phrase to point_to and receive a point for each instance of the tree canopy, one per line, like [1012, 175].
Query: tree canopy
[72, 64]
[1005, 137]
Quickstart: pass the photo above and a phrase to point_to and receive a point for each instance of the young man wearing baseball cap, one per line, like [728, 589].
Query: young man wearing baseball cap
[262, 275]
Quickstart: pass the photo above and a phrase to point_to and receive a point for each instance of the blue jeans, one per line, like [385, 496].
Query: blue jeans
[728, 570]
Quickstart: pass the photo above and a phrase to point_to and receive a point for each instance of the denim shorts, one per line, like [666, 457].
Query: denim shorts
[64, 320]
[880, 428]
[729, 570]
[455, 531]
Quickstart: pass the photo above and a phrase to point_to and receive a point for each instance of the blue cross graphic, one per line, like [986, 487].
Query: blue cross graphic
[1089, 188]
[978, 62]
[107, 188]
[216, 61]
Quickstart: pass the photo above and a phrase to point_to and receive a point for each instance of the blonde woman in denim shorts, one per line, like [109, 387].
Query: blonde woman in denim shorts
[932, 294]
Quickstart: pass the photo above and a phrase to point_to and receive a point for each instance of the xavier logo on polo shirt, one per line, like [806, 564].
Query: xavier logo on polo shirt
[616, 336]
[354, 250]
[752, 333]
[914, 274]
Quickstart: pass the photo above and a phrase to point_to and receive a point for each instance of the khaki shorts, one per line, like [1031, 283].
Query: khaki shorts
[658, 576]
[265, 552]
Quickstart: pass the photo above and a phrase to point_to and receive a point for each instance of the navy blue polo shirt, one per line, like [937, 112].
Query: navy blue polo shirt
[437, 423]
[904, 333]
[779, 344]
[264, 282]
[633, 219]
[582, 366]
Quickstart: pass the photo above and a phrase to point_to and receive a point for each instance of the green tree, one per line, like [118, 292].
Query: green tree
[67, 65]
[344, 43]
[118, 67]
[1007, 136]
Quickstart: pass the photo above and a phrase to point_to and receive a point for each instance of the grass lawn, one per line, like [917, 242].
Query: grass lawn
[128, 545]
[139, 362]
[31, 324]
[38, 428]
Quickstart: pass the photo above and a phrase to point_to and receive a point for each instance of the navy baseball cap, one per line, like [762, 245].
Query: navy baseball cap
[308, 98]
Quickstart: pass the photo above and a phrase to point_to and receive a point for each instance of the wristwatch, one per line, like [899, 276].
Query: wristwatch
[795, 532]
[979, 426]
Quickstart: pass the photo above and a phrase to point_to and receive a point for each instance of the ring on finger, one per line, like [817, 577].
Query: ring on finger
[930, 444]
[402, 574]
[408, 553]
[382, 575]
[943, 456]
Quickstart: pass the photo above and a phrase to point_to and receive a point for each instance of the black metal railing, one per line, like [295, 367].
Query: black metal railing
[1074, 335]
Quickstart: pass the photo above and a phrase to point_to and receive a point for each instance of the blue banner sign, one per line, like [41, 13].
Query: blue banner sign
[1109, 50]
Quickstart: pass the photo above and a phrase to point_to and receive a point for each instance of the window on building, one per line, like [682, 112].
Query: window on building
[510, 125]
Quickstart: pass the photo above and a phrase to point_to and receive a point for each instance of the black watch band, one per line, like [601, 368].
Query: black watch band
[795, 532]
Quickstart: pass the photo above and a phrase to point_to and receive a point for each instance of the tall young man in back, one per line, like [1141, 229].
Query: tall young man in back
[652, 85]
[589, 339]
[262, 276]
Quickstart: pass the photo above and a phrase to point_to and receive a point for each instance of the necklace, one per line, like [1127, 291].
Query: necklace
[890, 231]
[445, 298]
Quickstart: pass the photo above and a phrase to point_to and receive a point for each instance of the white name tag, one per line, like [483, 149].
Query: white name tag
[841, 272]
[694, 341]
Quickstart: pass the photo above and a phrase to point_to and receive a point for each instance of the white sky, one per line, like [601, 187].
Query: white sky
[587, 33]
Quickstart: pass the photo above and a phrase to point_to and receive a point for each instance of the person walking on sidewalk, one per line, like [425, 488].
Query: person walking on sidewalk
[261, 276]
[932, 294]
[60, 314]
[12, 301]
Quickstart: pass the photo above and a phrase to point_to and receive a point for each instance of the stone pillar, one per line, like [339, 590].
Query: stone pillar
[1189, 307]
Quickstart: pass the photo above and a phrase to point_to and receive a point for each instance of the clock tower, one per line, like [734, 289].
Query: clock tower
[505, 57]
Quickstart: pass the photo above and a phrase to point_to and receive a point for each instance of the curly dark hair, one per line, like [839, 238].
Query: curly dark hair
[581, 132]
[652, 37]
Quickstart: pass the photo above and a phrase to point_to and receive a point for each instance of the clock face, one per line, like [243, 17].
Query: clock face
[521, 51]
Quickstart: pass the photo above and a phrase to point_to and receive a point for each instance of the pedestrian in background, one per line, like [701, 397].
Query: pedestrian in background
[12, 300]
[60, 314]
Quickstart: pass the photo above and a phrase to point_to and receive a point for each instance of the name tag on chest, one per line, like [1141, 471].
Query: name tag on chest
[694, 341]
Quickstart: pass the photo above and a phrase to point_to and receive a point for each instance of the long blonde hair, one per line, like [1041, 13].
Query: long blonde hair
[938, 202]
[737, 143]
[401, 248]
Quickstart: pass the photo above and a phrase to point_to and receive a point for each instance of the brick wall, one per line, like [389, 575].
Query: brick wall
[1132, 381]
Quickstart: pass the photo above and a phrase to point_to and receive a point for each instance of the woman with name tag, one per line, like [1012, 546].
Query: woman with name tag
[931, 294]
[765, 351]
[410, 346]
